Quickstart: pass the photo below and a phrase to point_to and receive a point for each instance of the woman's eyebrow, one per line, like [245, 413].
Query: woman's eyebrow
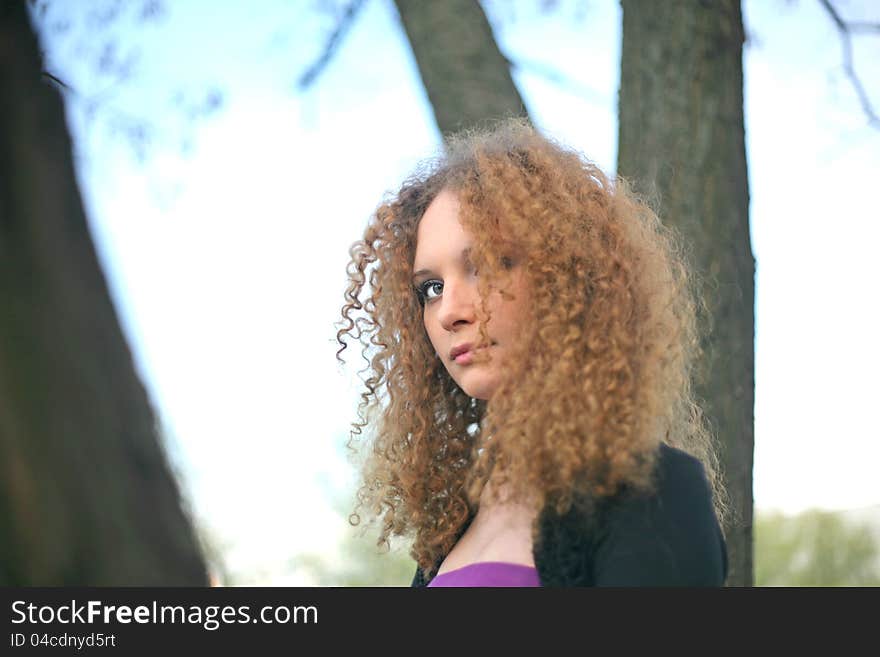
[465, 252]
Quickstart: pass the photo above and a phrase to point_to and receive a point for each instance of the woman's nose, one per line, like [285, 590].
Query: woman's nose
[457, 304]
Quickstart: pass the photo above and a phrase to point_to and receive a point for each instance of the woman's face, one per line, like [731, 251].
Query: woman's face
[443, 272]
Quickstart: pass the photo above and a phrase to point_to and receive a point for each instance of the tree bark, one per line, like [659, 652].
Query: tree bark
[465, 75]
[86, 494]
[682, 142]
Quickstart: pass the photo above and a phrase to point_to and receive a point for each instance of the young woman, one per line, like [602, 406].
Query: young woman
[534, 334]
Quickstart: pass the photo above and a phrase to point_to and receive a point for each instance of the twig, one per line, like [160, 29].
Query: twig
[549, 73]
[861, 26]
[54, 80]
[845, 29]
[332, 44]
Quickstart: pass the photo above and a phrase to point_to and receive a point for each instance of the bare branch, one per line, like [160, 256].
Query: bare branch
[834, 15]
[863, 27]
[552, 75]
[57, 82]
[845, 29]
[332, 44]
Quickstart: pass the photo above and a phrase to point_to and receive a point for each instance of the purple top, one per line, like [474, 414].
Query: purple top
[489, 573]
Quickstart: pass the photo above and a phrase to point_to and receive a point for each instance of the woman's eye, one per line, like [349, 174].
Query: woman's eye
[427, 285]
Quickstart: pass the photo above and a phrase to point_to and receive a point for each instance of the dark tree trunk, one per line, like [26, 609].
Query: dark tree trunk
[86, 494]
[682, 141]
[465, 75]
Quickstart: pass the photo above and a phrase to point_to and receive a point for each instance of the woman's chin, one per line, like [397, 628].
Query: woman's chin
[479, 390]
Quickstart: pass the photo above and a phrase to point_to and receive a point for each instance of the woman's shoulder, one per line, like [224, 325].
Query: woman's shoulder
[678, 477]
[681, 493]
[669, 535]
[678, 472]
[673, 457]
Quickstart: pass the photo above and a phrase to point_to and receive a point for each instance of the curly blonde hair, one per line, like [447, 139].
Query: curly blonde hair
[602, 372]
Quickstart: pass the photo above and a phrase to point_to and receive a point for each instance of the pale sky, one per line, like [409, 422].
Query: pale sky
[226, 259]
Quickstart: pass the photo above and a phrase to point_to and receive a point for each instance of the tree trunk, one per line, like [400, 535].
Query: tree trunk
[86, 494]
[465, 75]
[682, 142]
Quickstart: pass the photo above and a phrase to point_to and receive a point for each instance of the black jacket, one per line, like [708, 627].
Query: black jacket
[668, 538]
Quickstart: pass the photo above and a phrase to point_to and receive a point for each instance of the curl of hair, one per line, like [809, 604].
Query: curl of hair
[602, 372]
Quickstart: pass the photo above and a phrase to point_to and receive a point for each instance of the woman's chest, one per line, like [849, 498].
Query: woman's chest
[501, 532]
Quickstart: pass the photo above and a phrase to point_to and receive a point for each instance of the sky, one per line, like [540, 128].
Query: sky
[223, 199]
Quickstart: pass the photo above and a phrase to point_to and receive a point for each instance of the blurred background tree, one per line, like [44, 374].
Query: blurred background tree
[87, 496]
[466, 77]
[816, 548]
[682, 144]
[358, 560]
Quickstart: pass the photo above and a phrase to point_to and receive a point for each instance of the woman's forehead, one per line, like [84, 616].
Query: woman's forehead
[440, 227]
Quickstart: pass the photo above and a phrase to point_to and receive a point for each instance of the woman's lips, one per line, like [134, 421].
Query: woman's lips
[466, 357]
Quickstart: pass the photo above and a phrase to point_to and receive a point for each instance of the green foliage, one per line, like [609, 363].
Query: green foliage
[359, 563]
[815, 548]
